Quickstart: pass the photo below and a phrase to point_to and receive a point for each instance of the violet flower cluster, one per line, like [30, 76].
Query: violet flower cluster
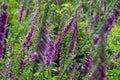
[50, 53]
[110, 21]
[3, 24]
[87, 65]
[57, 45]
[95, 16]
[69, 24]
[20, 15]
[5, 67]
[21, 64]
[44, 45]
[99, 73]
[91, 2]
[57, 1]
[117, 56]
[33, 57]
[74, 31]
[28, 38]
[102, 6]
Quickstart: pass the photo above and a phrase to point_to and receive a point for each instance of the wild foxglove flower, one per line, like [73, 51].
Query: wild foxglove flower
[21, 11]
[33, 57]
[3, 24]
[69, 24]
[5, 67]
[28, 38]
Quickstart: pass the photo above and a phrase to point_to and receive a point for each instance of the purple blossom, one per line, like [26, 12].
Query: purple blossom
[101, 3]
[117, 56]
[21, 64]
[79, 66]
[33, 57]
[4, 5]
[28, 11]
[57, 1]
[21, 11]
[69, 24]
[28, 38]
[102, 70]
[57, 44]
[91, 2]
[5, 67]
[99, 73]
[95, 16]
[87, 65]
[11, 75]
[70, 69]
[48, 61]
[74, 31]
[109, 24]
[3, 24]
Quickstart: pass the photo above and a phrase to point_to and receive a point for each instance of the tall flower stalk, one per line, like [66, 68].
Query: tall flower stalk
[3, 24]
[20, 15]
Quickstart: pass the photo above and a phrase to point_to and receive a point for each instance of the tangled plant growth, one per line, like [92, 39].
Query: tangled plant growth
[59, 39]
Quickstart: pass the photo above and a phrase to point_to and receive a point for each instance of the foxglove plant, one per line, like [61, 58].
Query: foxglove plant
[3, 24]
[69, 24]
[28, 38]
[20, 15]
[5, 67]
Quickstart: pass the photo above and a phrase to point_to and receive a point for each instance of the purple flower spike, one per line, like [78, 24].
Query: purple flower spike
[87, 65]
[91, 2]
[95, 16]
[68, 25]
[57, 44]
[57, 1]
[109, 24]
[4, 5]
[33, 57]
[102, 70]
[96, 40]
[74, 31]
[21, 64]
[117, 55]
[5, 67]
[21, 11]
[3, 24]
[28, 38]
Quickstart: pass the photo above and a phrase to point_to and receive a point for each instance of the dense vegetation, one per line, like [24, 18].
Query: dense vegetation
[59, 40]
